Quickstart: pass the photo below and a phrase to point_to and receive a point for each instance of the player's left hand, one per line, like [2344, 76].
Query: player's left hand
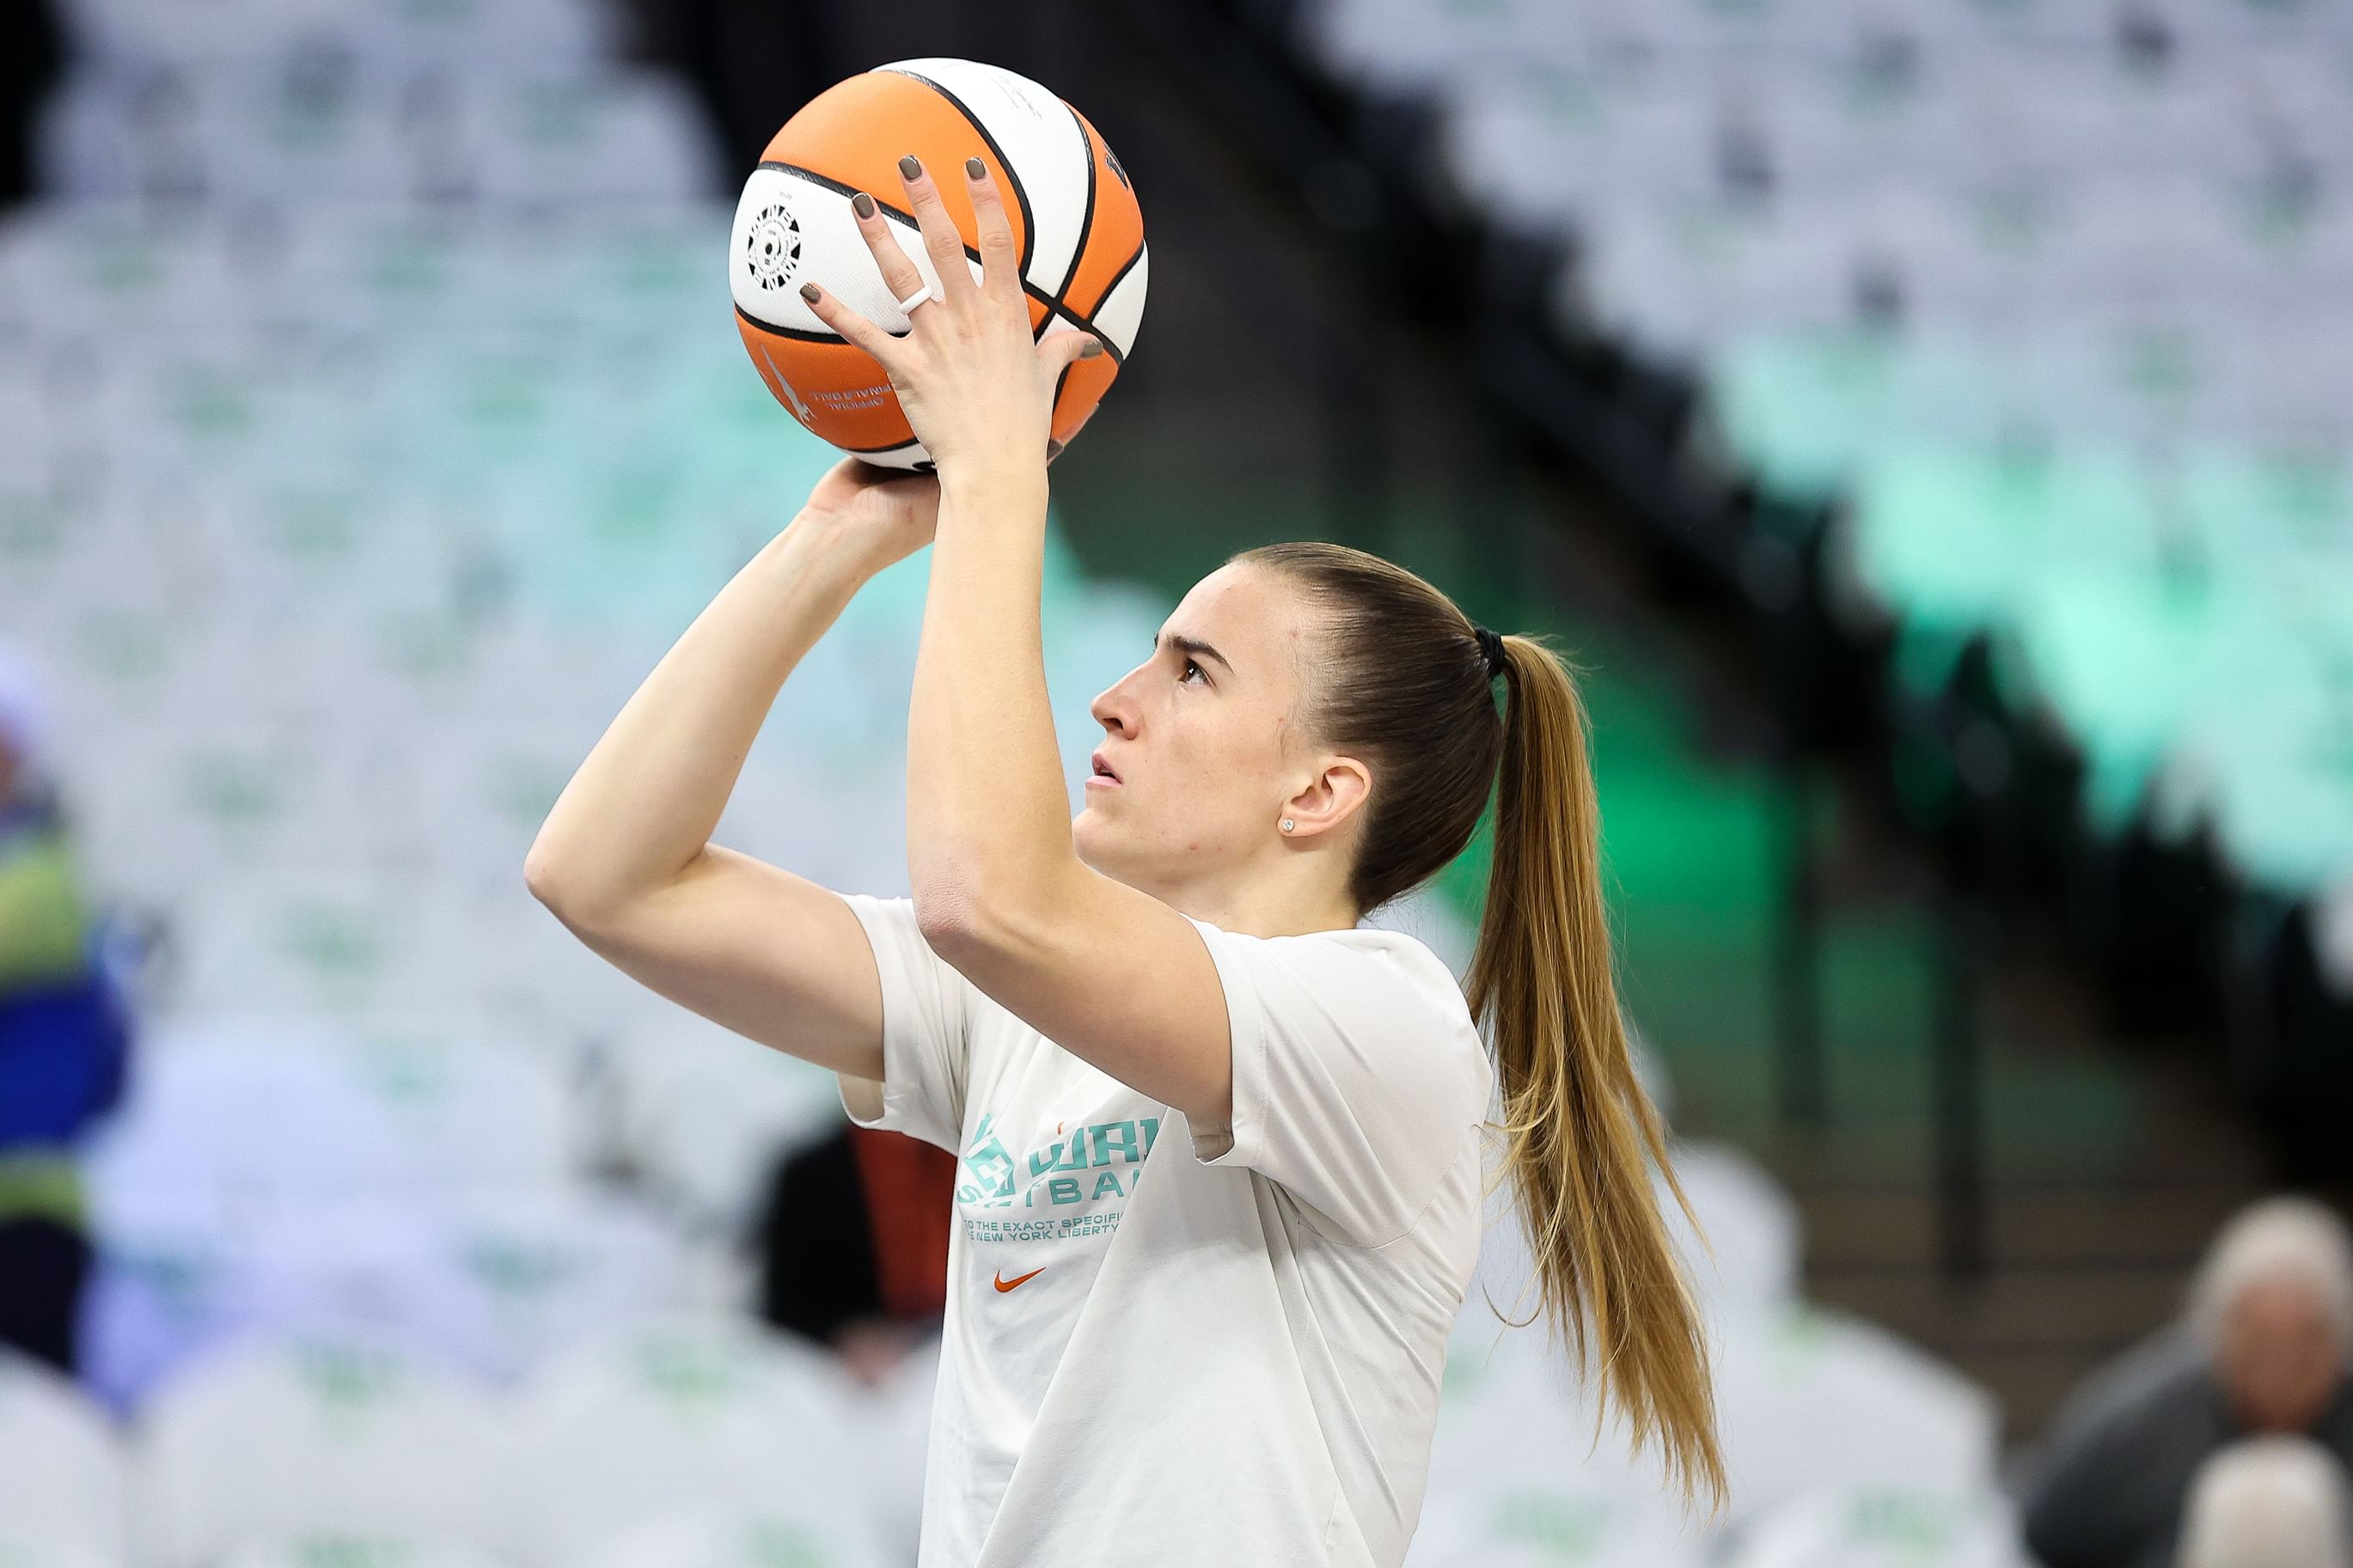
[977, 389]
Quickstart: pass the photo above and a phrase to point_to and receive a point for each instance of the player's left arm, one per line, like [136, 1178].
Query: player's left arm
[1112, 974]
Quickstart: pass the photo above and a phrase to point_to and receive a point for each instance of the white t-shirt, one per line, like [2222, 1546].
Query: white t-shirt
[1172, 1345]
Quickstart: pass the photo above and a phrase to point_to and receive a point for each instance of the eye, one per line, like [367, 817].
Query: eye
[1193, 668]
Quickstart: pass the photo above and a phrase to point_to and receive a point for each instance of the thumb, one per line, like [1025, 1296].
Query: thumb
[1058, 350]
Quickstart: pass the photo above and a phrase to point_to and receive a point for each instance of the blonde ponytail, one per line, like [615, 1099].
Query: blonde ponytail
[1582, 1135]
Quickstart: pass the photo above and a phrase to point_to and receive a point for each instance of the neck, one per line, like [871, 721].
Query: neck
[1256, 905]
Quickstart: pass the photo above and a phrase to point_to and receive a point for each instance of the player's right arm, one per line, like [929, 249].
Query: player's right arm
[624, 858]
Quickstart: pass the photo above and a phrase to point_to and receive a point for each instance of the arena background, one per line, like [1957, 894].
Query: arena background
[1965, 632]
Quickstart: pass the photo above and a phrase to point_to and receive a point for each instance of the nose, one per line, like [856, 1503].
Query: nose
[1116, 709]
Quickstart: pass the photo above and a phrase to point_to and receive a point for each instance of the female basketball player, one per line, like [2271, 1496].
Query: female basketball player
[1220, 1179]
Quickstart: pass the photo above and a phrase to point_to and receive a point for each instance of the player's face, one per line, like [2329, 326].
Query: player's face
[1201, 740]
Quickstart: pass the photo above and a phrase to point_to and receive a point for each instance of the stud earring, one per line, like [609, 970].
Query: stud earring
[1288, 825]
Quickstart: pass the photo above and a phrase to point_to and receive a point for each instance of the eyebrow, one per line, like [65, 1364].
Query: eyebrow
[1195, 649]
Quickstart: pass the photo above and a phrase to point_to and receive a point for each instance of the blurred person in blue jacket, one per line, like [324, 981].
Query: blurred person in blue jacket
[62, 1039]
[2262, 1350]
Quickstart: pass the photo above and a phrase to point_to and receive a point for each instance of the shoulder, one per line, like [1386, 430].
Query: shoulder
[1365, 982]
[1394, 962]
[2165, 1371]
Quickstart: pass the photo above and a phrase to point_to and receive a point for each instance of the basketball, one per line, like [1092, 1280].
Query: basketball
[1074, 212]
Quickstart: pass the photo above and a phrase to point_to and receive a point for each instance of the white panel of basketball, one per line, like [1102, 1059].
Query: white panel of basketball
[788, 231]
[1039, 139]
[1122, 311]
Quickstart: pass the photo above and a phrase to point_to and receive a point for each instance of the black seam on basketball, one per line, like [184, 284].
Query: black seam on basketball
[1087, 325]
[904, 216]
[1028, 219]
[798, 334]
[1087, 219]
[1117, 278]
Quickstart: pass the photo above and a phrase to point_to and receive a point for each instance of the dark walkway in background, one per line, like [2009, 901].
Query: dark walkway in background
[2111, 1164]
[32, 58]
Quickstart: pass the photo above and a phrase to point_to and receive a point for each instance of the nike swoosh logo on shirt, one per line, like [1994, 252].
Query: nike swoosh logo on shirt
[1002, 1283]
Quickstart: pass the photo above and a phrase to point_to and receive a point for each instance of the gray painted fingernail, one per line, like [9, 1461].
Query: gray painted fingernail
[909, 169]
[808, 292]
[863, 204]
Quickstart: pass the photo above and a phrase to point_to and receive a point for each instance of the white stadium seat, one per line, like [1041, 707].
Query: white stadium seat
[687, 1415]
[1883, 1528]
[271, 1438]
[309, 1549]
[62, 1498]
[746, 1538]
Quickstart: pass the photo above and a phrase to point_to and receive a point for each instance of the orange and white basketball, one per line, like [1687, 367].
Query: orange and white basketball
[1074, 215]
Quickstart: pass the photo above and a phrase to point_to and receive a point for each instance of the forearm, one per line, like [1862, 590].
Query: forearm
[643, 805]
[987, 812]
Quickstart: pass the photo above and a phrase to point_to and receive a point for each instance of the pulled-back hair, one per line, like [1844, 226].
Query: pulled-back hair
[1403, 683]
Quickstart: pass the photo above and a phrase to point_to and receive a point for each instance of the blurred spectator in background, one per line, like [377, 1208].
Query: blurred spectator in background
[62, 1040]
[2262, 1350]
[854, 1245]
[32, 57]
[2268, 1502]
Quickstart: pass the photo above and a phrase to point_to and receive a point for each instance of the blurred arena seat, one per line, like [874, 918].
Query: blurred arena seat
[690, 1415]
[307, 1550]
[61, 1471]
[746, 1538]
[313, 1433]
[1880, 1527]
[1522, 1515]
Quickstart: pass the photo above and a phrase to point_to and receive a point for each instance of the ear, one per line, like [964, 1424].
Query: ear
[1334, 796]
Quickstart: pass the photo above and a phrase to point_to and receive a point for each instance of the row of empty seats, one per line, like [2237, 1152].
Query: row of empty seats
[578, 35]
[670, 1427]
[2044, 306]
[1887, 43]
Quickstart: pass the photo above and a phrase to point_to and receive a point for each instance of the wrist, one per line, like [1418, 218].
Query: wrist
[822, 546]
[996, 487]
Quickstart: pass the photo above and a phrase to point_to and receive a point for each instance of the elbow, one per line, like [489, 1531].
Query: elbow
[967, 914]
[969, 906]
[949, 911]
[557, 890]
[541, 877]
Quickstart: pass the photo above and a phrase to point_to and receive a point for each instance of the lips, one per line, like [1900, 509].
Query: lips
[1103, 770]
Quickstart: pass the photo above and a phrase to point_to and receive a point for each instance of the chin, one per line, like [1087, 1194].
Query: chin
[1087, 835]
[1098, 846]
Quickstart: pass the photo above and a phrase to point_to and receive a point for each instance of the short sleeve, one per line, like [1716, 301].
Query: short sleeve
[926, 1019]
[1356, 1071]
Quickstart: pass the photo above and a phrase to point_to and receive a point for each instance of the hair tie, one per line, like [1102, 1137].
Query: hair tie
[1493, 646]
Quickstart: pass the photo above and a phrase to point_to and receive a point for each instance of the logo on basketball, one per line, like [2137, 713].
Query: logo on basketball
[772, 246]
